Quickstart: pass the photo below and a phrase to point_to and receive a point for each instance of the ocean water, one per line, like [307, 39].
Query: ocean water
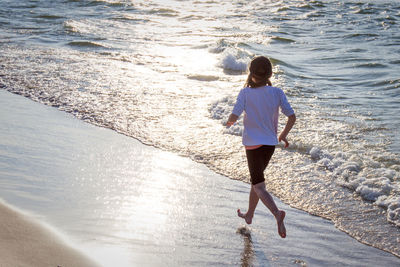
[167, 73]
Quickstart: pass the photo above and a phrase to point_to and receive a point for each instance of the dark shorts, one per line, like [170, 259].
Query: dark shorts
[257, 160]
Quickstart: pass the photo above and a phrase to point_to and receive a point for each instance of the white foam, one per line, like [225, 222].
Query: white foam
[316, 153]
[372, 189]
[230, 62]
[234, 60]
[364, 176]
[221, 109]
[393, 211]
[236, 129]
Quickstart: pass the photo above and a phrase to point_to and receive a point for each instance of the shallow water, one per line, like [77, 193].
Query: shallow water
[168, 72]
[126, 204]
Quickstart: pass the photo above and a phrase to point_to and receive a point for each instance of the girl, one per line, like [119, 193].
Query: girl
[261, 103]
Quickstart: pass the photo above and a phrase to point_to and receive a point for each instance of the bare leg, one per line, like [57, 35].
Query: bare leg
[253, 201]
[269, 202]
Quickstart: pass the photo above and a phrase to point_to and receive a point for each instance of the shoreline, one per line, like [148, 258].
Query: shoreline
[126, 202]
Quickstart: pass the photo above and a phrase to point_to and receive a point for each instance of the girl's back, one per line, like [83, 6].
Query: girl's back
[261, 106]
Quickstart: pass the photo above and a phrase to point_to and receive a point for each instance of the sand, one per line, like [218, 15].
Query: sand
[27, 242]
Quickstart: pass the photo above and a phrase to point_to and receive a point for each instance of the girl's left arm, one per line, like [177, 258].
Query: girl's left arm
[289, 125]
[232, 119]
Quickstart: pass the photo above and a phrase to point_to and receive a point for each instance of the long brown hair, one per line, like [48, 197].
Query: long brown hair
[261, 69]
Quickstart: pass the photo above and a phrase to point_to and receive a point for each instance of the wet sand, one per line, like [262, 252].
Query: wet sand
[127, 204]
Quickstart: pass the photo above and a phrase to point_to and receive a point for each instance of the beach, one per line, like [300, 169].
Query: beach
[167, 74]
[122, 203]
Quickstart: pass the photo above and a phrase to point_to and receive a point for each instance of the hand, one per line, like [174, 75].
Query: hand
[229, 123]
[231, 120]
[281, 138]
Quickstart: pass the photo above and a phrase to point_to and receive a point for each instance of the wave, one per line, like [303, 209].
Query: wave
[231, 63]
[86, 44]
[367, 36]
[109, 3]
[365, 11]
[282, 39]
[192, 17]
[71, 26]
[276, 61]
[165, 12]
[84, 27]
[372, 65]
[220, 46]
[126, 17]
[46, 16]
[202, 77]
[233, 60]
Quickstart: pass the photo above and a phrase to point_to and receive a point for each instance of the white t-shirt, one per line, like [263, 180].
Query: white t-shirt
[261, 106]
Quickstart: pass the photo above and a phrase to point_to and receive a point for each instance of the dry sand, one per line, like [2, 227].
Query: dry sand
[26, 242]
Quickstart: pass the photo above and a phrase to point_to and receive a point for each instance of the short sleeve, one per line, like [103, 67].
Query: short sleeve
[240, 102]
[285, 106]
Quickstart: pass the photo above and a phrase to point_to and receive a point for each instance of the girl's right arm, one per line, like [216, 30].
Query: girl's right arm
[237, 109]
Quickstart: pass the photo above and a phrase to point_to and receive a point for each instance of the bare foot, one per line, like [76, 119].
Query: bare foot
[246, 217]
[281, 226]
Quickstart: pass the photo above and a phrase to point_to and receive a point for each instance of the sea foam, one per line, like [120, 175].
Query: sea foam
[230, 62]
[221, 109]
[371, 180]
